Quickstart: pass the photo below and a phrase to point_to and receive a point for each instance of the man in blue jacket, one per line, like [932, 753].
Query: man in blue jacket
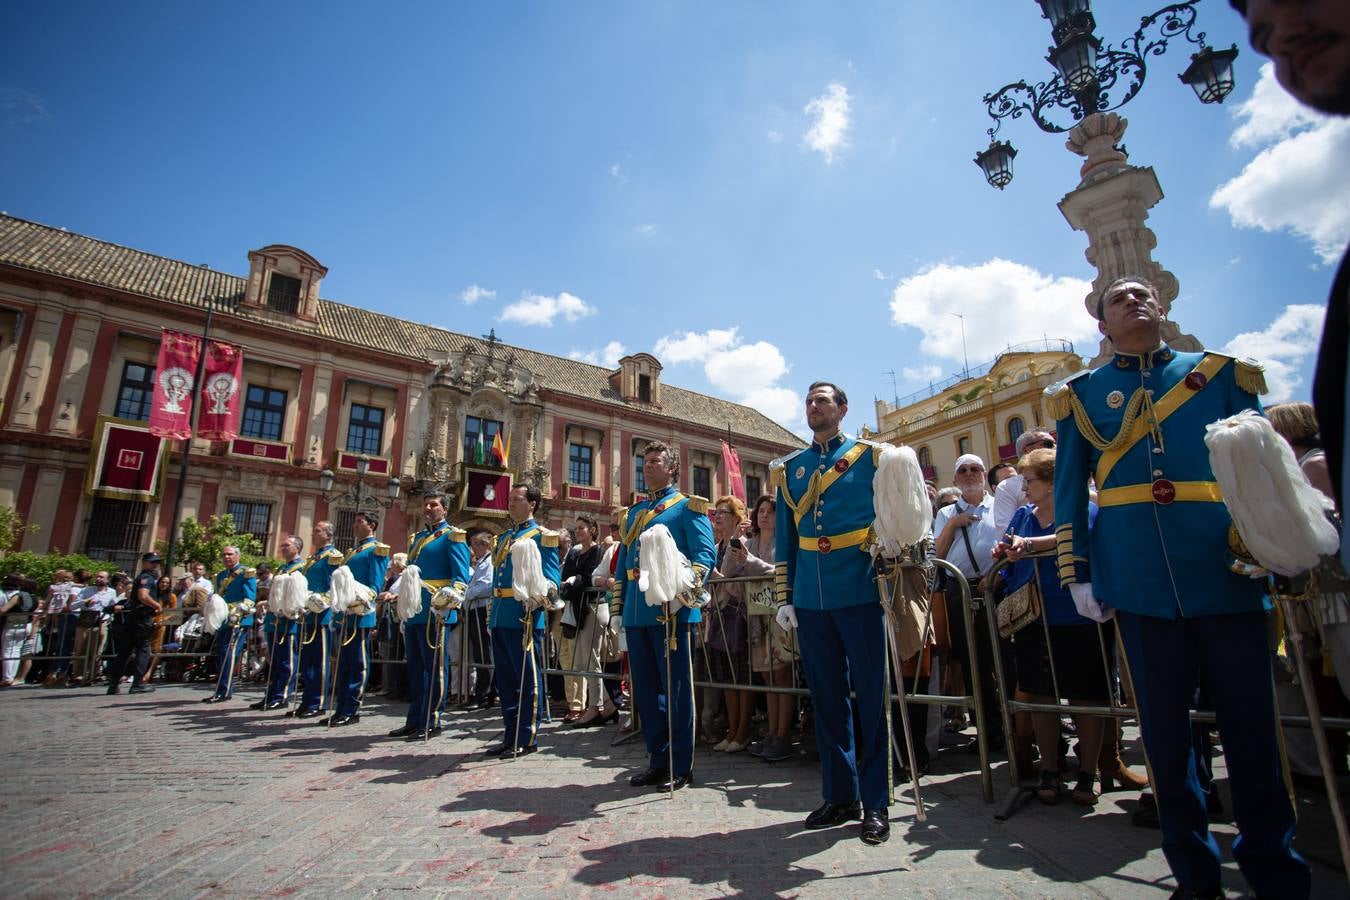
[235, 584]
[367, 562]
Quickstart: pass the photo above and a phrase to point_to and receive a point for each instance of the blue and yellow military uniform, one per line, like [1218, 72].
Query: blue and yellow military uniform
[234, 585]
[441, 554]
[368, 563]
[282, 666]
[645, 627]
[1159, 553]
[520, 681]
[824, 570]
[314, 631]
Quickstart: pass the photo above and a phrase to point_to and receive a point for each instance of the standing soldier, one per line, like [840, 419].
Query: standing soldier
[1161, 554]
[368, 562]
[441, 553]
[824, 588]
[235, 584]
[663, 675]
[520, 680]
[314, 626]
[283, 633]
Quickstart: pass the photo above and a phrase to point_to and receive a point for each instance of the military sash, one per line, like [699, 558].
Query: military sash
[421, 543]
[369, 542]
[500, 556]
[644, 518]
[820, 482]
[222, 585]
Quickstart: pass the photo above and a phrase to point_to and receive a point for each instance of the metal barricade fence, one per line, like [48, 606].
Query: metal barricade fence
[1118, 687]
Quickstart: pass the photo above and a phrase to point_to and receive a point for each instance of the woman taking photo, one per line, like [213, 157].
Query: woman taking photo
[771, 648]
[592, 623]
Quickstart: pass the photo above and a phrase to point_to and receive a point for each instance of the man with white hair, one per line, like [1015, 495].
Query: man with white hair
[235, 584]
[1011, 495]
[315, 626]
[283, 635]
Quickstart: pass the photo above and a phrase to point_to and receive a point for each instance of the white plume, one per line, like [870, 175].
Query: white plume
[1282, 518]
[664, 572]
[363, 600]
[527, 575]
[215, 614]
[341, 590]
[316, 602]
[409, 593]
[900, 500]
[287, 597]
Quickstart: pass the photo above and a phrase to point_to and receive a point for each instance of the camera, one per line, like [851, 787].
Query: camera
[736, 542]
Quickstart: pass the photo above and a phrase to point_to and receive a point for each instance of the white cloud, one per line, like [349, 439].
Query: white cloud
[1281, 347]
[616, 172]
[1002, 303]
[1296, 183]
[608, 357]
[473, 293]
[645, 229]
[775, 136]
[536, 309]
[746, 367]
[921, 373]
[880, 275]
[691, 346]
[828, 134]
[746, 373]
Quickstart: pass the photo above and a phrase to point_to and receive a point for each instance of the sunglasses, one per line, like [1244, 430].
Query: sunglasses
[966, 470]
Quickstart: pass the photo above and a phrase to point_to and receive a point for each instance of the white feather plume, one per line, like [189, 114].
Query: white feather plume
[527, 575]
[1281, 517]
[448, 597]
[363, 600]
[287, 596]
[316, 602]
[215, 614]
[900, 500]
[341, 590]
[664, 572]
[409, 593]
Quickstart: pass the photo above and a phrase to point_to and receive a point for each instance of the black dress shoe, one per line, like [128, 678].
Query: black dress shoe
[275, 704]
[679, 781]
[261, 704]
[649, 778]
[114, 690]
[339, 721]
[486, 704]
[828, 815]
[141, 689]
[526, 751]
[214, 699]
[307, 713]
[402, 732]
[497, 750]
[876, 826]
[420, 735]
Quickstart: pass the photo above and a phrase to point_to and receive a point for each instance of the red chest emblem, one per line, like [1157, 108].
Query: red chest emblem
[823, 544]
[1196, 380]
[841, 466]
[1164, 492]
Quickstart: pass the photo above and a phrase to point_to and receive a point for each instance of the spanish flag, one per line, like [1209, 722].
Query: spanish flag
[498, 450]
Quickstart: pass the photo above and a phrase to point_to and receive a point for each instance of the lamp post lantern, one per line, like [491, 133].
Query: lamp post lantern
[358, 495]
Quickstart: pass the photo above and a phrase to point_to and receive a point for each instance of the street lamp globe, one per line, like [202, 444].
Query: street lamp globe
[996, 163]
[1076, 60]
[362, 465]
[395, 488]
[1062, 13]
[326, 480]
[1210, 73]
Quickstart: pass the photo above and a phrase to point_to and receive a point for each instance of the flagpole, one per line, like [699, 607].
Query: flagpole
[187, 445]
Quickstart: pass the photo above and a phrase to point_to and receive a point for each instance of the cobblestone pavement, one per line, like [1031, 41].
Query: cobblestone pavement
[158, 795]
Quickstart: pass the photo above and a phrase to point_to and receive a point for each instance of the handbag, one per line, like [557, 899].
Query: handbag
[569, 622]
[1020, 608]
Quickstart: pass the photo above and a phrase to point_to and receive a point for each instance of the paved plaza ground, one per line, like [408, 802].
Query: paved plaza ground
[157, 795]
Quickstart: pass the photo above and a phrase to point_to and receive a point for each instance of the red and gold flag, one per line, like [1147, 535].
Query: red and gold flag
[732, 461]
[126, 461]
[220, 400]
[171, 402]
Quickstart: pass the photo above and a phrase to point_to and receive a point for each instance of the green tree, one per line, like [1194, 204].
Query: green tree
[40, 566]
[198, 543]
[12, 527]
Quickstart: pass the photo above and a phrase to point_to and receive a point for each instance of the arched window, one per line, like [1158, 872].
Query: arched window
[1015, 429]
[925, 457]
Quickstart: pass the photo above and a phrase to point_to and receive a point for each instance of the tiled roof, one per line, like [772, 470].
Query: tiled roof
[41, 248]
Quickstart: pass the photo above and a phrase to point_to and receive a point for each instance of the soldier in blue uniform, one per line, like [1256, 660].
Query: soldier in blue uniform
[520, 684]
[314, 627]
[282, 635]
[647, 628]
[441, 552]
[1161, 555]
[368, 562]
[234, 583]
[825, 589]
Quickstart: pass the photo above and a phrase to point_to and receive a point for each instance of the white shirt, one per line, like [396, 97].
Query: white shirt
[983, 536]
[479, 591]
[1009, 497]
[93, 598]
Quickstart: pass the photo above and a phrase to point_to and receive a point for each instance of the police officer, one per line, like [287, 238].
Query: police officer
[520, 681]
[441, 552]
[1162, 554]
[647, 634]
[133, 625]
[314, 626]
[368, 562]
[824, 588]
[282, 635]
[235, 584]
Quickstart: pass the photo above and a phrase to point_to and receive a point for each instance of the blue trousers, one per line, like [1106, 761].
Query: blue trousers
[229, 645]
[1230, 656]
[845, 650]
[523, 698]
[352, 671]
[314, 649]
[673, 746]
[426, 675]
[282, 668]
[64, 644]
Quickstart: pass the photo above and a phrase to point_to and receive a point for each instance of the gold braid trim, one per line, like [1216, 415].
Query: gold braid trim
[1057, 405]
[1250, 376]
[1090, 432]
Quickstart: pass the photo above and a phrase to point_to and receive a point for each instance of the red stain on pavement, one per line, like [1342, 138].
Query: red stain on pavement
[33, 854]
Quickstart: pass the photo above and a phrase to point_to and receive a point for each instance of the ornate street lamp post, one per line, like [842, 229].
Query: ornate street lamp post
[359, 495]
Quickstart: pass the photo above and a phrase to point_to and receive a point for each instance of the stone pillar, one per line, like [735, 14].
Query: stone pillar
[1110, 205]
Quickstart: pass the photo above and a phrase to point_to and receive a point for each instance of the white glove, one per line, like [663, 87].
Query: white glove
[786, 618]
[1087, 604]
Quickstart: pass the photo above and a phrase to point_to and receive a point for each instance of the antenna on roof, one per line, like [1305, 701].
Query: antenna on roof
[895, 389]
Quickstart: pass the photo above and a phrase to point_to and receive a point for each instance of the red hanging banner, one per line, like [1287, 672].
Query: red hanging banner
[220, 402]
[732, 461]
[126, 461]
[171, 403]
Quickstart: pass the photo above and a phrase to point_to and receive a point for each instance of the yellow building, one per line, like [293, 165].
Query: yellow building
[982, 411]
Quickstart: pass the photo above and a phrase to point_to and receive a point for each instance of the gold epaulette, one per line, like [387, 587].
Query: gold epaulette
[381, 549]
[1250, 376]
[698, 504]
[458, 535]
[1058, 397]
[250, 572]
[877, 447]
[337, 554]
[548, 538]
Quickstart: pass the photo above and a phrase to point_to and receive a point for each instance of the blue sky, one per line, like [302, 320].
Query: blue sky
[750, 190]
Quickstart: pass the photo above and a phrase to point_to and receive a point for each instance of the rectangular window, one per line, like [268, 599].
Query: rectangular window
[283, 294]
[963, 446]
[702, 476]
[365, 430]
[753, 488]
[476, 451]
[116, 528]
[136, 391]
[639, 479]
[251, 517]
[579, 464]
[344, 535]
[264, 413]
[645, 388]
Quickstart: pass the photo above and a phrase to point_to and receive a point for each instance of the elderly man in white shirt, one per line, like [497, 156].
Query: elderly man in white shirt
[89, 608]
[1011, 495]
[964, 535]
